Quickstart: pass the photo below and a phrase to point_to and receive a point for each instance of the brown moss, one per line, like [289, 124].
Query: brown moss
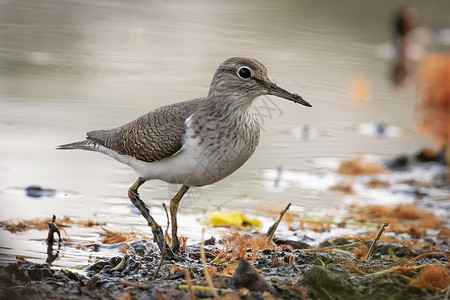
[444, 233]
[414, 244]
[349, 265]
[433, 112]
[403, 218]
[173, 269]
[113, 237]
[359, 166]
[345, 186]
[435, 277]
[230, 297]
[124, 248]
[88, 223]
[360, 251]
[407, 211]
[229, 269]
[415, 231]
[183, 242]
[236, 245]
[42, 224]
[212, 271]
[375, 183]
[126, 296]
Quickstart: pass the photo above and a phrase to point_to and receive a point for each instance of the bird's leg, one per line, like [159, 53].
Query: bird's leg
[156, 229]
[173, 216]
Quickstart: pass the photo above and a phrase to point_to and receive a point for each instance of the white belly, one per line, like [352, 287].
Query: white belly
[198, 163]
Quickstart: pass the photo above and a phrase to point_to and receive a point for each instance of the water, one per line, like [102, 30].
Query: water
[67, 67]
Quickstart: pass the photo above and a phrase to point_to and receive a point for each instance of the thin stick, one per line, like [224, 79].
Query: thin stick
[202, 288]
[189, 283]
[391, 270]
[427, 254]
[340, 246]
[447, 293]
[119, 264]
[135, 284]
[163, 254]
[369, 253]
[205, 268]
[52, 228]
[274, 227]
[326, 250]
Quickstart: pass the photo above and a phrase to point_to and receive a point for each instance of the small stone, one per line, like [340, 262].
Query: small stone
[293, 244]
[340, 241]
[247, 276]
[325, 244]
[267, 251]
[324, 283]
[399, 163]
[210, 241]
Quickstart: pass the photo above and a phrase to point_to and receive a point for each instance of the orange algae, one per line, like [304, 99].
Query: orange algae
[433, 113]
[435, 277]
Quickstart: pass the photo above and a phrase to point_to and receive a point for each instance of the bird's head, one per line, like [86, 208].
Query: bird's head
[244, 79]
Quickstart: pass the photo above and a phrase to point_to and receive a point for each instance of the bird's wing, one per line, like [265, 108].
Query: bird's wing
[151, 137]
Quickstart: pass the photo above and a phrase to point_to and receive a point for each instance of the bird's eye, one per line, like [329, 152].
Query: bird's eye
[244, 72]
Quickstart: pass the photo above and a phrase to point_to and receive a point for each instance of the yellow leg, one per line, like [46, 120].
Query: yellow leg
[173, 216]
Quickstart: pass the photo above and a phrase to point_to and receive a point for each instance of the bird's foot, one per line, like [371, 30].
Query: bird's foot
[162, 245]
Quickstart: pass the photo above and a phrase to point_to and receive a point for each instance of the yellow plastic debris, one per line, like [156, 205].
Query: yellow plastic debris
[231, 218]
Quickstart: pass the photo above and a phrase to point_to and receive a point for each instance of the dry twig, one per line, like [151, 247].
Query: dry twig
[447, 293]
[205, 268]
[202, 288]
[326, 250]
[189, 283]
[52, 228]
[135, 284]
[427, 254]
[274, 227]
[369, 253]
[391, 270]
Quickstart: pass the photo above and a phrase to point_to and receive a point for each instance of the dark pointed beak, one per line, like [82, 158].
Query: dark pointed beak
[273, 89]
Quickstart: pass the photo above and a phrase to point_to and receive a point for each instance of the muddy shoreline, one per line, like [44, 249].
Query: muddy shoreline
[276, 273]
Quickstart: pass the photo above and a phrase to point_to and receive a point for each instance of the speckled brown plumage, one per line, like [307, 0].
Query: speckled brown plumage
[153, 136]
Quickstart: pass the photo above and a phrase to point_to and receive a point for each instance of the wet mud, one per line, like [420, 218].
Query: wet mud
[392, 273]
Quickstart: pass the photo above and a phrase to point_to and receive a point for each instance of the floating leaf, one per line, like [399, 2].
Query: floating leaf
[231, 218]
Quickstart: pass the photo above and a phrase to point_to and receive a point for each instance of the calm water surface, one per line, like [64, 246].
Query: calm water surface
[67, 67]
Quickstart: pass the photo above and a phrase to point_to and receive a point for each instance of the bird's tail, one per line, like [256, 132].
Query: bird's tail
[83, 145]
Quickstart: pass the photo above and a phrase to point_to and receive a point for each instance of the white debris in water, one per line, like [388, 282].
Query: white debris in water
[399, 190]
[316, 181]
[379, 130]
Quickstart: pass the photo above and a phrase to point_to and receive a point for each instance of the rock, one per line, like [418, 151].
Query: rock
[427, 155]
[399, 163]
[247, 276]
[210, 241]
[142, 247]
[293, 244]
[340, 241]
[325, 244]
[325, 284]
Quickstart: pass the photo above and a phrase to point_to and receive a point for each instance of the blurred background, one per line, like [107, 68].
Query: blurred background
[68, 67]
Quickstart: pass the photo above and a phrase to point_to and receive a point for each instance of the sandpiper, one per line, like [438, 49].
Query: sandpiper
[192, 143]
